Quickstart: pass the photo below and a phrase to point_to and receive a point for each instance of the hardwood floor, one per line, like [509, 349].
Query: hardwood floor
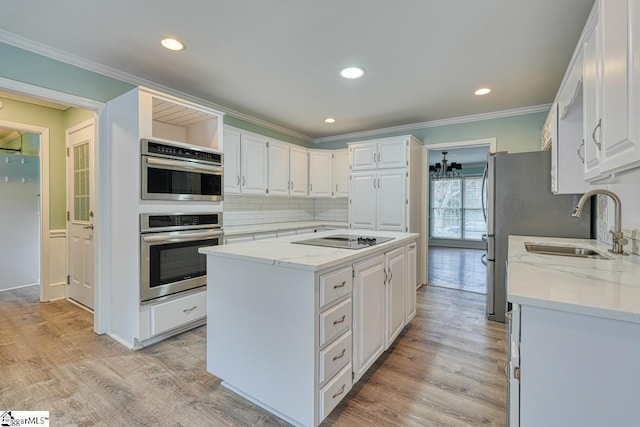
[457, 268]
[446, 369]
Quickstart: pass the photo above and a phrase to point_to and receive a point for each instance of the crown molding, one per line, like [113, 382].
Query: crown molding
[435, 123]
[86, 64]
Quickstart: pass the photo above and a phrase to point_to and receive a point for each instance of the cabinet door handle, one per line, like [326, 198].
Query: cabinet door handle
[378, 182]
[310, 187]
[339, 392]
[374, 183]
[243, 181]
[238, 180]
[344, 316]
[580, 155]
[390, 275]
[340, 356]
[292, 185]
[341, 285]
[374, 157]
[379, 157]
[189, 310]
[384, 270]
[593, 135]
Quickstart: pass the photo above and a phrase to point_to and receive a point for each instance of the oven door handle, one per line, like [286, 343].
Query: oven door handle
[182, 237]
[183, 165]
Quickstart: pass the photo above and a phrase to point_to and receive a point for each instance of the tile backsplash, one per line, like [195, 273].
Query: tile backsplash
[248, 210]
[628, 193]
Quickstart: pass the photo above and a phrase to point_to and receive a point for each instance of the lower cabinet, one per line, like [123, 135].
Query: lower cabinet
[570, 369]
[156, 319]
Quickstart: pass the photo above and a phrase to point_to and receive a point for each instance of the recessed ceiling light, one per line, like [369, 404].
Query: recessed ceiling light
[329, 120]
[352, 73]
[172, 44]
[482, 91]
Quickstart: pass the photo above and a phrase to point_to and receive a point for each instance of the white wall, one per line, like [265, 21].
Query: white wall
[19, 221]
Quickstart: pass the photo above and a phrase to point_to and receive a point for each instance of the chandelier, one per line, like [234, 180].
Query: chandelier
[445, 169]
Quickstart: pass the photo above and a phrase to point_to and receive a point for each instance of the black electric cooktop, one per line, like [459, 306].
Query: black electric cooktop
[344, 241]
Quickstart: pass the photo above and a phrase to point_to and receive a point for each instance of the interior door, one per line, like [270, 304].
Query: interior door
[80, 208]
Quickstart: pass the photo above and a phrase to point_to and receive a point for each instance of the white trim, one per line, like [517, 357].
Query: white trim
[60, 232]
[86, 64]
[424, 215]
[436, 123]
[100, 319]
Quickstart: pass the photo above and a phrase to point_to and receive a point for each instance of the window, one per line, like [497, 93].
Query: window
[456, 208]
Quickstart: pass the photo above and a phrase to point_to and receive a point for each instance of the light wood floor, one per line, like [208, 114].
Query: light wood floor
[446, 369]
[457, 268]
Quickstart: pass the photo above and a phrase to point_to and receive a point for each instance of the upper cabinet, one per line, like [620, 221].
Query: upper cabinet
[245, 163]
[382, 153]
[299, 171]
[611, 87]
[329, 173]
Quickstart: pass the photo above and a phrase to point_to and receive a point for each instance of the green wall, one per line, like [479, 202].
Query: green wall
[514, 134]
[27, 67]
[57, 121]
[29, 142]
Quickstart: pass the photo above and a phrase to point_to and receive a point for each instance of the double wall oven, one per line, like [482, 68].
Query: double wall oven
[170, 262]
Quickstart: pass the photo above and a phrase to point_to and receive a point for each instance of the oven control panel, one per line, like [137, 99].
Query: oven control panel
[172, 222]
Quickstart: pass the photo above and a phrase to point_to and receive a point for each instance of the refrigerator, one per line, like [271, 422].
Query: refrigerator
[519, 201]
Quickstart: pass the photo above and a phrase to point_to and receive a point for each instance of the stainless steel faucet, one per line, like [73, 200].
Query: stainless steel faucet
[618, 237]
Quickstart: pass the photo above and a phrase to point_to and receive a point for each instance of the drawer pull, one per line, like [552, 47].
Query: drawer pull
[341, 285]
[335, 322]
[189, 310]
[340, 356]
[339, 392]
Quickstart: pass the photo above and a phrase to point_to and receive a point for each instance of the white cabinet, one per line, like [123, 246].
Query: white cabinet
[572, 369]
[611, 85]
[369, 305]
[245, 163]
[379, 200]
[381, 153]
[382, 197]
[299, 171]
[320, 173]
[341, 173]
[396, 284]
[412, 281]
[384, 294]
[329, 173]
[278, 169]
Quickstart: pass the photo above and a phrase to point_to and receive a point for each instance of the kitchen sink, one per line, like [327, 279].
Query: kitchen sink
[573, 251]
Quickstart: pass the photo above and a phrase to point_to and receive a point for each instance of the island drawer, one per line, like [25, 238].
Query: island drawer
[335, 357]
[335, 285]
[333, 392]
[335, 321]
[178, 312]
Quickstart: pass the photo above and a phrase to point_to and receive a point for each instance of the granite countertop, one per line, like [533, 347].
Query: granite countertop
[598, 287]
[283, 253]
[280, 226]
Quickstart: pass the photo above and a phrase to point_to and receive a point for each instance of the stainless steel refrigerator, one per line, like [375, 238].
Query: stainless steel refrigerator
[520, 202]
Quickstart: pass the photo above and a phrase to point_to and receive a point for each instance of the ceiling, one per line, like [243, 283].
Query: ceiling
[278, 60]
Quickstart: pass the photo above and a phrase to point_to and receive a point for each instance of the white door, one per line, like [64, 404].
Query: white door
[278, 168]
[341, 173]
[362, 195]
[392, 154]
[231, 161]
[254, 165]
[299, 171]
[320, 173]
[368, 313]
[392, 200]
[80, 247]
[363, 156]
[396, 277]
[591, 94]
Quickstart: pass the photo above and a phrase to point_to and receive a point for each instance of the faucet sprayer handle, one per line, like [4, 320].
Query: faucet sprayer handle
[619, 238]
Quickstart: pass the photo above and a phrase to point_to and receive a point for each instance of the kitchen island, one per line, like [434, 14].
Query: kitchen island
[574, 335]
[292, 327]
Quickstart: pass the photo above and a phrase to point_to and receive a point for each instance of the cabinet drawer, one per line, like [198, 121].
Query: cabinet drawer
[178, 312]
[333, 392]
[335, 357]
[334, 285]
[335, 321]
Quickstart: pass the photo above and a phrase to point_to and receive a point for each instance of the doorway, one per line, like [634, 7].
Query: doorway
[453, 219]
[52, 227]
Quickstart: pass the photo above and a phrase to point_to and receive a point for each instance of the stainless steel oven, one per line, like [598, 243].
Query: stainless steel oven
[174, 171]
[169, 258]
